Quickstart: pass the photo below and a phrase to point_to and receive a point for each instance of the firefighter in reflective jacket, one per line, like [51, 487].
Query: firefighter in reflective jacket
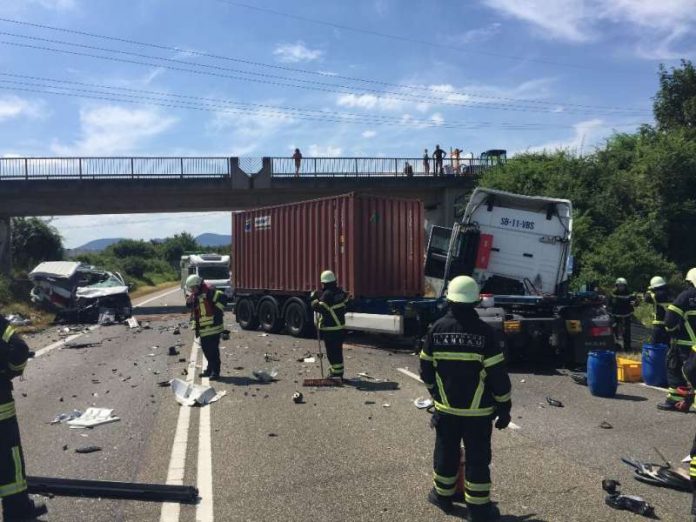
[621, 307]
[207, 321]
[463, 368]
[689, 371]
[658, 296]
[331, 306]
[16, 504]
[680, 322]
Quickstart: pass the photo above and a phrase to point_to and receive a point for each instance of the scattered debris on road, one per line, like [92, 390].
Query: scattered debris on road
[297, 398]
[554, 402]
[93, 417]
[188, 394]
[88, 449]
[173, 350]
[18, 320]
[631, 503]
[132, 322]
[606, 426]
[658, 475]
[422, 403]
[64, 417]
[309, 360]
[265, 375]
[579, 378]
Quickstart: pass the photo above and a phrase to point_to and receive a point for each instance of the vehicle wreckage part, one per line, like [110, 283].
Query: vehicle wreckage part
[658, 475]
[107, 489]
[631, 503]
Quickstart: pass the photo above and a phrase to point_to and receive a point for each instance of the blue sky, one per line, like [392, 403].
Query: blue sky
[513, 74]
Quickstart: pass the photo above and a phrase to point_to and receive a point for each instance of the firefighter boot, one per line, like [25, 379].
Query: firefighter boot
[485, 513]
[19, 508]
[444, 503]
[683, 405]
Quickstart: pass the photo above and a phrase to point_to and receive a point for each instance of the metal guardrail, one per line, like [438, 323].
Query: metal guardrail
[375, 167]
[113, 168]
[137, 168]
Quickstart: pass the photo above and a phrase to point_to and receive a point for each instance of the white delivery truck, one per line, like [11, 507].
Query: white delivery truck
[214, 269]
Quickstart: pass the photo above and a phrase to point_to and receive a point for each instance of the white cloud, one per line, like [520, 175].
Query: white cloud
[248, 132]
[656, 25]
[297, 52]
[370, 101]
[478, 35]
[369, 134]
[56, 5]
[324, 151]
[12, 106]
[112, 129]
[585, 134]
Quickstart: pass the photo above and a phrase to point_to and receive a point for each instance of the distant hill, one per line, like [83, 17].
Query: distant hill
[96, 246]
[213, 240]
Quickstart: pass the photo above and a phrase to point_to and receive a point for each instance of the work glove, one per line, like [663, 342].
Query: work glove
[503, 420]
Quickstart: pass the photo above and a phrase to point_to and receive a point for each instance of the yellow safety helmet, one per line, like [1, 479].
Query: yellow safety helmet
[463, 289]
[657, 282]
[327, 276]
[193, 280]
[691, 276]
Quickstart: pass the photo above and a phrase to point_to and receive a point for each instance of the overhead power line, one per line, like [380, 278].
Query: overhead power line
[397, 37]
[263, 78]
[429, 89]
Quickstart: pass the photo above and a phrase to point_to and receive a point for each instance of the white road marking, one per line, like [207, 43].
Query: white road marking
[410, 374]
[654, 387]
[204, 510]
[58, 344]
[177, 461]
[158, 296]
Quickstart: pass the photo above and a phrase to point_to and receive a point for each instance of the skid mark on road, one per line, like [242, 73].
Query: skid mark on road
[177, 461]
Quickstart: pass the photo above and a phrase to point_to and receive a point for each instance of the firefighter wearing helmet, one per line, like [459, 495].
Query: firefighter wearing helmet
[207, 306]
[330, 304]
[621, 303]
[680, 322]
[464, 370]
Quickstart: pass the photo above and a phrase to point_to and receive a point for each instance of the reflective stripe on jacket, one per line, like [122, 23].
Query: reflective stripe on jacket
[14, 353]
[207, 313]
[331, 306]
[680, 319]
[659, 299]
[463, 367]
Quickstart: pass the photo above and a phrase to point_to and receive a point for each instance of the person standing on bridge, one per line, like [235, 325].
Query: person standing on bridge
[331, 306]
[16, 504]
[426, 163]
[298, 162]
[439, 156]
[464, 370]
[207, 321]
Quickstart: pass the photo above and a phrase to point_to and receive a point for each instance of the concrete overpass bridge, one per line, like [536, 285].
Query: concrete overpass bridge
[116, 185]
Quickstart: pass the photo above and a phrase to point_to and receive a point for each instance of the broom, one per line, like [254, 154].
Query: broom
[323, 381]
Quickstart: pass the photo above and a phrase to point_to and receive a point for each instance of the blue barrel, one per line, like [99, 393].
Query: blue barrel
[601, 373]
[654, 367]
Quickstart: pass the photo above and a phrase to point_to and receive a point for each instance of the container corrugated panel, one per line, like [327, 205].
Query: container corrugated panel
[373, 244]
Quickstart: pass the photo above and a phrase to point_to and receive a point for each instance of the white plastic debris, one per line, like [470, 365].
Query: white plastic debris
[18, 320]
[188, 394]
[132, 322]
[93, 417]
[309, 360]
[686, 459]
[265, 375]
[64, 417]
[422, 403]
[107, 317]
[263, 335]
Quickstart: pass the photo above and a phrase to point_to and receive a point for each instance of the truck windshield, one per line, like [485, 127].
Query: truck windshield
[213, 272]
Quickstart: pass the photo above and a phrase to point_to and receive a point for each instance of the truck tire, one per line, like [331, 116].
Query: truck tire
[297, 318]
[246, 315]
[269, 316]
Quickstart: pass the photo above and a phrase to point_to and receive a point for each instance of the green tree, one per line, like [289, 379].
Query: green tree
[34, 241]
[174, 247]
[131, 248]
[675, 103]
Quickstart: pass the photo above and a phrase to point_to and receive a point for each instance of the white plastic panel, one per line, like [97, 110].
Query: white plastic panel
[389, 324]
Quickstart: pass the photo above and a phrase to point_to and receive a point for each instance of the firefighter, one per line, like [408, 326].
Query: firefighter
[680, 323]
[207, 320]
[621, 305]
[463, 368]
[331, 306]
[689, 371]
[16, 504]
[658, 296]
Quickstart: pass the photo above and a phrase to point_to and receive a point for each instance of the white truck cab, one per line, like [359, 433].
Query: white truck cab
[214, 269]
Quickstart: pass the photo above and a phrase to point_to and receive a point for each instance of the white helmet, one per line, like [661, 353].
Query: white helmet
[193, 280]
[691, 276]
[463, 289]
[621, 281]
[327, 276]
[657, 282]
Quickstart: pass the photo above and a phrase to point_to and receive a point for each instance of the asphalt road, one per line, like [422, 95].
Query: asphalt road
[361, 452]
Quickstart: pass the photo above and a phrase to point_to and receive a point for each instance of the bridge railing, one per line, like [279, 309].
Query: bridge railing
[284, 167]
[113, 168]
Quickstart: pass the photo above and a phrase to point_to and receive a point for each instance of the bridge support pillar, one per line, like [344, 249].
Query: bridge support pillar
[5, 245]
[446, 209]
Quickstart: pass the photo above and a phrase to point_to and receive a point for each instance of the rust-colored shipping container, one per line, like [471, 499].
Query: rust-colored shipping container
[373, 244]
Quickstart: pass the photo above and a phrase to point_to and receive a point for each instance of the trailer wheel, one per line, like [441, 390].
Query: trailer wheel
[296, 318]
[246, 315]
[269, 316]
